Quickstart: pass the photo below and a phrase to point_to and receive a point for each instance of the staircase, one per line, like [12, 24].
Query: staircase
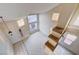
[54, 36]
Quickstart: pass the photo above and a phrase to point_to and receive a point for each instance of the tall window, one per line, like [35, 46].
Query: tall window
[33, 23]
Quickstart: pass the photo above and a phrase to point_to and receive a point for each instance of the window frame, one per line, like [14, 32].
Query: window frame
[34, 22]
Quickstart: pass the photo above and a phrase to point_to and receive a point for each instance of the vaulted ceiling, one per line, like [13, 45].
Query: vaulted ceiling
[14, 10]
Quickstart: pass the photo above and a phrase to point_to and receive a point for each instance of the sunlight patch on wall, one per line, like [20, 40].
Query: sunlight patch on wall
[69, 39]
[55, 16]
[21, 22]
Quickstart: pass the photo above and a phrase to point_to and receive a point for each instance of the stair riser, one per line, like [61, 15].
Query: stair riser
[48, 51]
[56, 34]
[52, 42]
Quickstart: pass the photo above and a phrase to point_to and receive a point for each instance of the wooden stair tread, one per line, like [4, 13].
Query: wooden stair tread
[50, 46]
[56, 39]
[58, 29]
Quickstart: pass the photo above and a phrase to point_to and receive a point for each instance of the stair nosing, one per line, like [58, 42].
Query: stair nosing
[50, 47]
[54, 38]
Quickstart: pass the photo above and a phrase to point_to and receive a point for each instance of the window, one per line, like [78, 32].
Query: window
[32, 18]
[33, 23]
[69, 39]
[20, 22]
[55, 16]
[76, 23]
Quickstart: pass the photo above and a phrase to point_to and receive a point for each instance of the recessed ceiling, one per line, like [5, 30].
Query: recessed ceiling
[14, 10]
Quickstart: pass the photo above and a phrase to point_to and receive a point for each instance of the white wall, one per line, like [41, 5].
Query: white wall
[65, 11]
[74, 47]
[76, 15]
[45, 19]
[15, 10]
[45, 23]
[13, 26]
[7, 41]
